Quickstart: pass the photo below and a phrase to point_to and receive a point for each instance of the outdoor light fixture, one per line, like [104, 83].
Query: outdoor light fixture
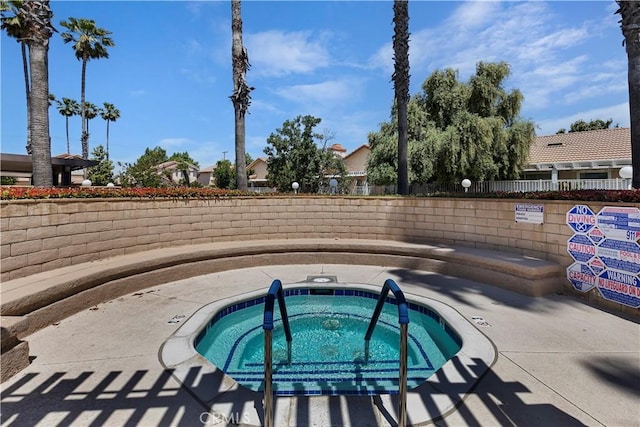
[466, 184]
[110, 185]
[626, 172]
[86, 183]
[295, 187]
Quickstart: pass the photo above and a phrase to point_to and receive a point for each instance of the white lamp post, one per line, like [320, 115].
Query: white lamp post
[295, 187]
[466, 184]
[110, 185]
[86, 183]
[626, 173]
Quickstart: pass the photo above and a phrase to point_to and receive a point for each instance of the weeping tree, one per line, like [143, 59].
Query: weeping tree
[241, 97]
[630, 24]
[457, 130]
[401, 85]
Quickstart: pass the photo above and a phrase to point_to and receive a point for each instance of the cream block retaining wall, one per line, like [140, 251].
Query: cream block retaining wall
[42, 235]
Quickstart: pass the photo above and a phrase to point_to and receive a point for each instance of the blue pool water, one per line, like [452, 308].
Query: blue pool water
[328, 349]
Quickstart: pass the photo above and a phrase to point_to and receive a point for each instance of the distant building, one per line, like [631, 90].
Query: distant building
[64, 166]
[206, 177]
[258, 178]
[170, 171]
[596, 154]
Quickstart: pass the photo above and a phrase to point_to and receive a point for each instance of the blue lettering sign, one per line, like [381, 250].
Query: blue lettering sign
[581, 277]
[620, 255]
[581, 248]
[581, 219]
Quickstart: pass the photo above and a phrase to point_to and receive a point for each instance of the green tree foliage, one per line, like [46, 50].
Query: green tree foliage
[457, 130]
[143, 172]
[225, 174]
[294, 156]
[582, 126]
[102, 173]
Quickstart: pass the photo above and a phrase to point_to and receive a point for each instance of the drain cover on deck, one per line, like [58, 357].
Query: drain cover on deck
[322, 279]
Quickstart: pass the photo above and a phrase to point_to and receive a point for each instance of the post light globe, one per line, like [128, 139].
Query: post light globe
[626, 172]
[86, 183]
[466, 183]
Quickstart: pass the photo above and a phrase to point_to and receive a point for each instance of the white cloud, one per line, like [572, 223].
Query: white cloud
[473, 14]
[174, 142]
[538, 46]
[323, 94]
[279, 53]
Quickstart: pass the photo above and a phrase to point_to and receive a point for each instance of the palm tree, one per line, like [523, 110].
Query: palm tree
[241, 96]
[36, 16]
[15, 25]
[90, 112]
[68, 108]
[110, 114]
[89, 42]
[630, 25]
[401, 85]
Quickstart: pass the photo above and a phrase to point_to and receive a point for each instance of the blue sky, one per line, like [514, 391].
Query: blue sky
[170, 71]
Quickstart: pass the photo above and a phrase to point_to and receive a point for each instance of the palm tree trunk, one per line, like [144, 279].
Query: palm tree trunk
[39, 115]
[401, 84]
[633, 54]
[84, 138]
[630, 24]
[25, 68]
[634, 109]
[108, 139]
[68, 146]
[241, 93]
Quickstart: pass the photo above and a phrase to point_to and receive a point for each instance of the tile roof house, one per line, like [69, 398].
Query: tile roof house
[171, 172]
[596, 154]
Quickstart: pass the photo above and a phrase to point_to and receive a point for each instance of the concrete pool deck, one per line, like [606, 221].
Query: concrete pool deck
[560, 362]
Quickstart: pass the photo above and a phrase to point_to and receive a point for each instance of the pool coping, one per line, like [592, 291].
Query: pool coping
[443, 391]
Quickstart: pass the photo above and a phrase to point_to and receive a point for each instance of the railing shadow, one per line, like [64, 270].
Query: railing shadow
[500, 398]
[93, 399]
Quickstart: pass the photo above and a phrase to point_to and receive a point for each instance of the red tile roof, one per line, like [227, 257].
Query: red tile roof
[607, 144]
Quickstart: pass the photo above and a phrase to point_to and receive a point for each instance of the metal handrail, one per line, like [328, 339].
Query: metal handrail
[403, 320]
[274, 291]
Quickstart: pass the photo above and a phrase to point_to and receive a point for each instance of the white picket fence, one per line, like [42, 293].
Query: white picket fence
[517, 186]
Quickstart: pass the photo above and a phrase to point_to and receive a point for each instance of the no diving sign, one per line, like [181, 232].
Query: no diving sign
[581, 218]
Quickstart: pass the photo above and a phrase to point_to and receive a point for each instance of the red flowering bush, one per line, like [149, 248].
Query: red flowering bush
[13, 193]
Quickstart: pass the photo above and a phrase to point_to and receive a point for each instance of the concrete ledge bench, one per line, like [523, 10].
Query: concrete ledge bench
[31, 303]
